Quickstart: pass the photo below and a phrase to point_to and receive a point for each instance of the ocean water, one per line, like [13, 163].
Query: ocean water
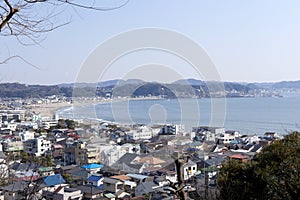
[247, 115]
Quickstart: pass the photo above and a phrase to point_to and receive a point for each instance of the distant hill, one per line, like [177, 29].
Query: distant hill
[190, 81]
[31, 91]
[103, 83]
[276, 85]
[136, 87]
[287, 85]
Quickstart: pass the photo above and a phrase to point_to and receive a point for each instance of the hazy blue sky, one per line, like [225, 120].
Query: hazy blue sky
[248, 41]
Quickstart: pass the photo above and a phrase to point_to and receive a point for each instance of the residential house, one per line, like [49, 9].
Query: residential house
[113, 185]
[215, 130]
[25, 171]
[91, 192]
[126, 163]
[77, 175]
[12, 146]
[239, 157]
[54, 180]
[45, 171]
[110, 157]
[127, 181]
[189, 169]
[225, 138]
[171, 176]
[133, 167]
[17, 191]
[62, 193]
[95, 181]
[145, 188]
[27, 135]
[272, 135]
[138, 177]
[92, 168]
[251, 139]
[152, 163]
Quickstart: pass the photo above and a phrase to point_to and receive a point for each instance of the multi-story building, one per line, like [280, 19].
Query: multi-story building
[141, 133]
[110, 156]
[92, 154]
[74, 152]
[36, 146]
[8, 115]
[171, 129]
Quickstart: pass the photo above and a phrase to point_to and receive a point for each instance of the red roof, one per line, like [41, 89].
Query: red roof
[27, 178]
[238, 156]
[7, 136]
[73, 135]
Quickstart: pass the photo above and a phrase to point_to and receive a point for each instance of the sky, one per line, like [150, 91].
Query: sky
[247, 41]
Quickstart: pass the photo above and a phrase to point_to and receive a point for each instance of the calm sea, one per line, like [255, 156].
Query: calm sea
[247, 115]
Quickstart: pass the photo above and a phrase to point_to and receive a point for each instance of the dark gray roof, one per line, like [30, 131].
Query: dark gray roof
[127, 158]
[147, 186]
[256, 147]
[80, 173]
[110, 180]
[90, 189]
[248, 147]
[68, 167]
[24, 166]
[214, 161]
[15, 187]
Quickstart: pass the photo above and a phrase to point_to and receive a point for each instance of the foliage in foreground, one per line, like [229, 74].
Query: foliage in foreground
[272, 174]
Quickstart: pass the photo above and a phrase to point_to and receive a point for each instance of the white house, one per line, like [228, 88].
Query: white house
[62, 192]
[225, 138]
[27, 135]
[189, 169]
[95, 180]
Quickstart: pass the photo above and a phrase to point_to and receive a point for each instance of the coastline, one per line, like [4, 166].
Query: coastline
[48, 110]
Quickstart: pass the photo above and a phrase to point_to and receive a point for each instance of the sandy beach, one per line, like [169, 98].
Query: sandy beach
[47, 110]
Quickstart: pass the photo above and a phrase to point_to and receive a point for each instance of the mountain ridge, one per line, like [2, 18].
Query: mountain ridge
[137, 87]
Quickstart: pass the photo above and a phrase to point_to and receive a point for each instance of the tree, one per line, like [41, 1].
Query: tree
[29, 19]
[277, 168]
[272, 174]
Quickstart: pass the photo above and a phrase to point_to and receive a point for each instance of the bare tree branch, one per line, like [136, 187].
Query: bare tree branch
[29, 20]
[92, 7]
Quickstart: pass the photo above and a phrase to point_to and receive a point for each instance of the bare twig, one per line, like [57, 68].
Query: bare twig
[19, 57]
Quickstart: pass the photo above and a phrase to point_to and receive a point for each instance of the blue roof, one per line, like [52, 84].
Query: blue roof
[234, 142]
[92, 166]
[54, 180]
[94, 178]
